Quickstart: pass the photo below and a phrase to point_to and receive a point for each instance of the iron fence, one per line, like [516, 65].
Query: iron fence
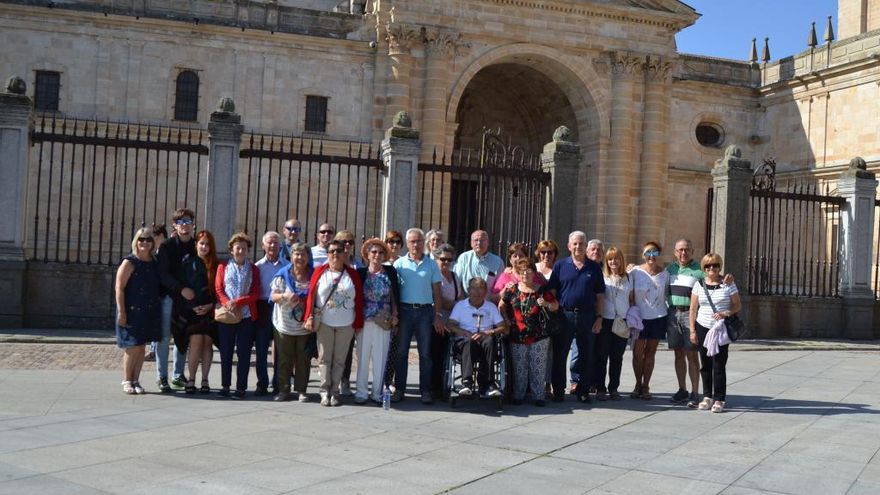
[315, 181]
[877, 249]
[793, 238]
[98, 181]
[499, 189]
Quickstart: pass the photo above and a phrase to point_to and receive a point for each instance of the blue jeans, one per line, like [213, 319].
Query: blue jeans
[235, 339]
[579, 329]
[162, 345]
[574, 363]
[418, 322]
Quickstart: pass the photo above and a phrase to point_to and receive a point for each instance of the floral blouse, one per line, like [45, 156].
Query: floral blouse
[528, 326]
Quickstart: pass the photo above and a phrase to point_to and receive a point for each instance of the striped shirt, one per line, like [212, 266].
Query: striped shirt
[681, 281]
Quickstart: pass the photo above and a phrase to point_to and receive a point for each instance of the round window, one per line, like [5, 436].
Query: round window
[710, 135]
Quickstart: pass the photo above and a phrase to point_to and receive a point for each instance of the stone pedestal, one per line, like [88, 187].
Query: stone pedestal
[561, 158]
[859, 187]
[15, 123]
[732, 180]
[221, 204]
[400, 151]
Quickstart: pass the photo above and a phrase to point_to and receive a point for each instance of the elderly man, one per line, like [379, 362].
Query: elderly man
[319, 251]
[420, 307]
[291, 231]
[595, 253]
[478, 262]
[580, 288]
[269, 266]
[475, 322]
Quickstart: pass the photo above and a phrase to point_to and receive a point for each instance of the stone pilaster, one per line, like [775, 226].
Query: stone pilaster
[15, 122]
[400, 39]
[617, 179]
[859, 187]
[732, 180]
[224, 138]
[654, 163]
[561, 158]
[400, 151]
[440, 46]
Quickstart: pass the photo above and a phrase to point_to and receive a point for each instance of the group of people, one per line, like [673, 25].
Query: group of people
[327, 301]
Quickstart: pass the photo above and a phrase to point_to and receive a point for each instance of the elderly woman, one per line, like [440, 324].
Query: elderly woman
[451, 291]
[138, 309]
[290, 288]
[525, 304]
[515, 252]
[237, 287]
[546, 253]
[610, 346]
[649, 284]
[711, 302]
[433, 240]
[335, 310]
[197, 316]
[394, 239]
[381, 298]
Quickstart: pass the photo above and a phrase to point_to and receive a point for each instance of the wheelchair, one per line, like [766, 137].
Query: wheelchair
[452, 374]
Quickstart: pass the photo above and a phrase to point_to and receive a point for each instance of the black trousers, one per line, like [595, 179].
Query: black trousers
[713, 369]
[608, 356]
[482, 351]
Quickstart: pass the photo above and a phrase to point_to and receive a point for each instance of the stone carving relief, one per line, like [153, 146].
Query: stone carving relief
[400, 37]
[656, 69]
[442, 42]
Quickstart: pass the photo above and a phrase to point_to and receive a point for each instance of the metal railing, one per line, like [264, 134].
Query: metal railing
[877, 249]
[98, 181]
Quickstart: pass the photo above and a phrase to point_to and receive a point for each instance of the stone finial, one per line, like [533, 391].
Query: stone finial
[753, 53]
[562, 134]
[812, 41]
[226, 104]
[765, 55]
[829, 31]
[402, 119]
[401, 127]
[732, 159]
[733, 151]
[16, 85]
[858, 168]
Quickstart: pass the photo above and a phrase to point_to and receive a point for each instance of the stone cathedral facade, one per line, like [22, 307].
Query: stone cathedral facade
[650, 121]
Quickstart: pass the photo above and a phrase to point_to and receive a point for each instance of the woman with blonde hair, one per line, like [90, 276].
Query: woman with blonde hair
[138, 308]
[611, 345]
[546, 253]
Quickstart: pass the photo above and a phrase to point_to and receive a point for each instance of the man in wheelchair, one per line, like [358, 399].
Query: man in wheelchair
[474, 323]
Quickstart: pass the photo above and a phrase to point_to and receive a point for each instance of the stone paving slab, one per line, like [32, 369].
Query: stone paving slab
[800, 422]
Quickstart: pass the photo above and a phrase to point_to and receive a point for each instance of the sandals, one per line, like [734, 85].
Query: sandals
[205, 389]
[636, 393]
[718, 406]
[705, 404]
[190, 387]
[137, 388]
[127, 388]
[646, 393]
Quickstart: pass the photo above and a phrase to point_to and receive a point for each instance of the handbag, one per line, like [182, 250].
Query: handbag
[552, 322]
[227, 316]
[620, 328]
[383, 319]
[735, 327]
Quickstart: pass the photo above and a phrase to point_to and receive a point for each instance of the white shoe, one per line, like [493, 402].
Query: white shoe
[705, 404]
[493, 392]
[465, 391]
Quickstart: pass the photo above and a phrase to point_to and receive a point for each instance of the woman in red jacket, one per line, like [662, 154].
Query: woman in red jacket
[335, 310]
[237, 285]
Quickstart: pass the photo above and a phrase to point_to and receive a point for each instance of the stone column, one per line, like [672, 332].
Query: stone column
[617, 179]
[654, 166]
[732, 180]
[221, 200]
[561, 158]
[400, 151]
[15, 122]
[439, 46]
[859, 187]
[400, 39]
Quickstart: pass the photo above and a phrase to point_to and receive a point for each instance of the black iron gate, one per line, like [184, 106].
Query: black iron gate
[499, 188]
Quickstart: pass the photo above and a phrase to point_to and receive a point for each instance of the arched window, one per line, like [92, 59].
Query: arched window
[186, 96]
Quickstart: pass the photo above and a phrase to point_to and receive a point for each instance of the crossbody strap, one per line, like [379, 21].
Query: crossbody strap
[332, 290]
[706, 290]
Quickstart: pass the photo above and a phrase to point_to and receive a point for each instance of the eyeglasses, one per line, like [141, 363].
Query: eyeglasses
[145, 239]
[348, 242]
[445, 260]
[335, 251]
[377, 251]
[394, 241]
[712, 266]
[184, 221]
[651, 254]
[325, 232]
[293, 229]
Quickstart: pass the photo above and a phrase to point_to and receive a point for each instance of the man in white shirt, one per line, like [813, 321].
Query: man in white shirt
[268, 266]
[474, 322]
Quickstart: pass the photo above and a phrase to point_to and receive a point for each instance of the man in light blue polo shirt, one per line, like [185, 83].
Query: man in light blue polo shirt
[419, 280]
[479, 262]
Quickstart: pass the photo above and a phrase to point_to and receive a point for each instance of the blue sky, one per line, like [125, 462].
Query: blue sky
[727, 27]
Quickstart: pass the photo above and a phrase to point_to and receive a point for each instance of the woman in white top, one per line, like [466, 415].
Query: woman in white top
[609, 346]
[290, 287]
[713, 369]
[546, 254]
[649, 284]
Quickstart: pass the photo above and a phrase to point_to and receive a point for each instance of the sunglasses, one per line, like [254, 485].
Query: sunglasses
[651, 254]
[715, 266]
[546, 253]
[395, 241]
[325, 232]
[293, 229]
[376, 251]
[335, 251]
[445, 260]
[184, 221]
[348, 242]
[145, 239]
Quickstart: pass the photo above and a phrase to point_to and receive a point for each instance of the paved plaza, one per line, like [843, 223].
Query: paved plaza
[799, 422]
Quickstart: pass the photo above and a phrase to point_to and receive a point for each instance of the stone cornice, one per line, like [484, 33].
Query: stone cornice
[819, 76]
[633, 15]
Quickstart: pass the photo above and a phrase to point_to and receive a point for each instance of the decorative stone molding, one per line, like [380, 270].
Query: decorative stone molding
[656, 69]
[624, 65]
[400, 38]
[401, 127]
[442, 43]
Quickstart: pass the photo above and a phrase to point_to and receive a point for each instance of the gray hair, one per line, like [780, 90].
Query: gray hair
[477, 283]
[269, 234]
[597, 242]
[444, 248]
[577, 234]
[415, 230]
[684, 239]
